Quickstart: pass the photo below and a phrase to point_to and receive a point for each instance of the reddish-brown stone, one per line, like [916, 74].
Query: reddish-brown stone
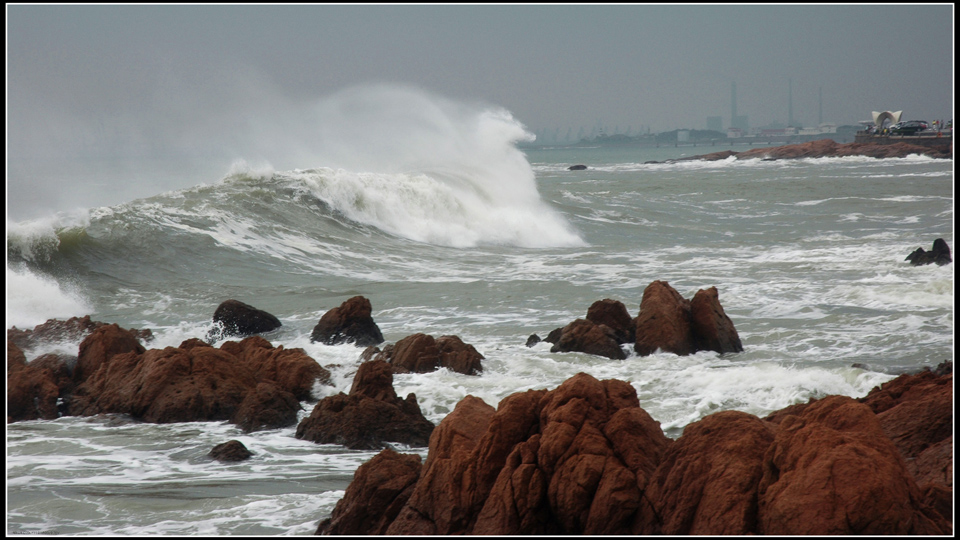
[712, 329]
[291, 369]
[614, 315]
[664, 322]
[230, 451]
[831, 470]
[101, 345]
[379, 489]
[421, 353]
[266, 406]
[370, 416]
[587, 337]
[707, 482]
[32, 391]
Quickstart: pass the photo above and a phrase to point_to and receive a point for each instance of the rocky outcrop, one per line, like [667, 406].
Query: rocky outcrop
[100, 346]
[370, 416]
[577, 168]
[712, 329]
[352, 322]
[584, 458]
[671, 323]
[291, 369]
[940, 254]
[827, 148]
[615, 316]
[73, 329]
[379, 489]
[588, 337]
[230, 451]
[234, 318]
[421, 353]
[664, 322]
[250, 383]
[32, 391]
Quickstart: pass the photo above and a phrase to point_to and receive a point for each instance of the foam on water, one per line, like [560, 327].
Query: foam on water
[32, 299]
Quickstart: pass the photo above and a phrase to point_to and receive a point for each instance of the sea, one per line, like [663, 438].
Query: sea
[481, 237]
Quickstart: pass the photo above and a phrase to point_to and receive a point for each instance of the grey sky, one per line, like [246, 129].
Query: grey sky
[178, 85]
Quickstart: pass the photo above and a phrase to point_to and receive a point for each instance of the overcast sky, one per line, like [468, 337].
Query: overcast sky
[173, 85]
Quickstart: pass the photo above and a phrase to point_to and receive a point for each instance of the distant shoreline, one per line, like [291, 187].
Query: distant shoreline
[825, 148]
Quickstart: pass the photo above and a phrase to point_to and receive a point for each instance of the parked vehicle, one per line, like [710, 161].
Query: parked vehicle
[910, 127]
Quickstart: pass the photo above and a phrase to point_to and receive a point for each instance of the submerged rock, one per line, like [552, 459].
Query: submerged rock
[350, 323]
[588, 337]
[230, 451]
[940, 254]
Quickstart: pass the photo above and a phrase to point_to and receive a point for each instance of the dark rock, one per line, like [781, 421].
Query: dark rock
[421, 353]
[712, 329]
[554, 335]
[350, 323]
[577, 168]
[533, 340]
[940, 254]
[235, 318]
[230, 451]
[585, 336]
[379, 489]
[370, 416]
[664, 322]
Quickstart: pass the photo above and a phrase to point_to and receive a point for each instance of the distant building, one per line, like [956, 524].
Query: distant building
[715, 123]
[734, 133]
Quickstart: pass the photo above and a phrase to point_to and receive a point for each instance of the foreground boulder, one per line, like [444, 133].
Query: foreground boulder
[940, 254]
[234, 318]
[100, 346]
[73, 329]
[291, 369]
[350, 323]
[586, 459]
[421, 353]
[370, 416]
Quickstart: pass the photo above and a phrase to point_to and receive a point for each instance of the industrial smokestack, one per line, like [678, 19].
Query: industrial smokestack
[733, 104]
[790, 102]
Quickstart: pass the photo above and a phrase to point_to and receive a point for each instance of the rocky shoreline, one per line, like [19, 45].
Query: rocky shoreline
[824, 148]
[583, 458]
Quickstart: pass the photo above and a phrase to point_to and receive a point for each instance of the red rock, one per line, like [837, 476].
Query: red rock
[614, 315]
[706, 483]
[585, 336]
[421, 353]
[350, 323]
[712, 329]
[664, 322]
[266, 407]
[102, 344]
[32, 391]
[831, 470]
[291, 369]
[230, 451]
[369, 416]
[379, 489]
[168, 385]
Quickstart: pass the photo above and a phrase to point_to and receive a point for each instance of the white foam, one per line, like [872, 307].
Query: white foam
[32, 299]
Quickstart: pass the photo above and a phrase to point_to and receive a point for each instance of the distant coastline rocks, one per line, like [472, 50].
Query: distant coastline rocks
[823, 148]
[577, 168]
[940, 254]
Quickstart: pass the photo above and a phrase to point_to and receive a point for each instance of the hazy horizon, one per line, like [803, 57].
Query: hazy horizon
[108, 103]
